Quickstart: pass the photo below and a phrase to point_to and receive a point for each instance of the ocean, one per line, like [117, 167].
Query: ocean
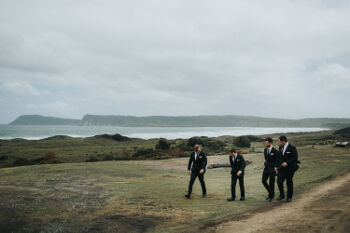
[40, 132]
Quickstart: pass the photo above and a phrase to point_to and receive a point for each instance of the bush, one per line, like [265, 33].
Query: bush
[20, 162]
[215, 145]
[241, 141]
[163, 144]
[193, 141]
[115, 137]
[49, 156]
[175, 152]
[144, 153]
[92, 159]
[253, 138]
[108, 158]
[3, 157]
[126, 155]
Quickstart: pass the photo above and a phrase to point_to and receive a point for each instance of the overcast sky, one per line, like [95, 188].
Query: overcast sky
[280, 58]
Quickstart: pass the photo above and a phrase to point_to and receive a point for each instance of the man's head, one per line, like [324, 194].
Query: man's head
[268, 142]
[197, 148]
[282, 140]
[233, 152]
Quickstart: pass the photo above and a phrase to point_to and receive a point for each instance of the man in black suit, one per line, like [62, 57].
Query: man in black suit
[198, 160]
[287, 167]
[271, 155]
[237, 163]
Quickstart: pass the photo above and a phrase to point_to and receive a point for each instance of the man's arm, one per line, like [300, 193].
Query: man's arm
[190, 162]
[294, 155]
[277, 162]
[242, 164]
[205, 161]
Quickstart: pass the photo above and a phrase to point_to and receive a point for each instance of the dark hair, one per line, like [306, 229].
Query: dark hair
[268, 139]
[283, 138]
[233, 150]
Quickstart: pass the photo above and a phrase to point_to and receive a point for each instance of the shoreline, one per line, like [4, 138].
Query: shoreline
[150, 132]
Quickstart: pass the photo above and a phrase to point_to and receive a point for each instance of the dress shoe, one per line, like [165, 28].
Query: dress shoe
[188, 196]
[289, 200]
[270, 199]
[204, 195]
[242, 199]
[279, 198]
[231, 199]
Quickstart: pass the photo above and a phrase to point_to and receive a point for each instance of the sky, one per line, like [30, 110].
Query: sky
[282, 58]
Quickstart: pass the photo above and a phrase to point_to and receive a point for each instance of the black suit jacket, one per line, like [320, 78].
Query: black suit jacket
[272, 159]
[199, 163]
[238, 164]
[290, 156]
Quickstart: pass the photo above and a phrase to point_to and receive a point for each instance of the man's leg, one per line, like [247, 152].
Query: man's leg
[280, 180]
[272, 184]
[233, 186]
[192, 179]
[241, 185]
[289, 179]
[201, 179]
[264, 178]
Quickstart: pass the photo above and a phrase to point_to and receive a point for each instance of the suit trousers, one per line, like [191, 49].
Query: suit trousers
[234, 178]
[269, 174]
[194, 174]
[288, 176]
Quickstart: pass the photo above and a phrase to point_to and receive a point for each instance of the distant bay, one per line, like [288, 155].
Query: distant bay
[39, 132]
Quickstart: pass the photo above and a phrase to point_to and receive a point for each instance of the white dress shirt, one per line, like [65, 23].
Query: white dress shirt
[269, 149]
[285, 147]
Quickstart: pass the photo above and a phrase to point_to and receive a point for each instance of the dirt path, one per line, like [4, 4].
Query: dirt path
[325, 208]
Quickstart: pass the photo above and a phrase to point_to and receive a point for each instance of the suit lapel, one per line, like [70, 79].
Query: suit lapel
[286, 149]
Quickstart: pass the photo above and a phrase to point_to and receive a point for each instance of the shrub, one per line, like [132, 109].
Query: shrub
[3, 157]
[49, 156]
[163, 144]
[241, 141]
[144, 152]
[253, 138]
[175, 152]
[21, 161]
[115, 137]
[215, 145]
[193, 141]
[108, 158]
[92, 159]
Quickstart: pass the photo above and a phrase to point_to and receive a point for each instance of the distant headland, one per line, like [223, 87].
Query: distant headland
[182, 121]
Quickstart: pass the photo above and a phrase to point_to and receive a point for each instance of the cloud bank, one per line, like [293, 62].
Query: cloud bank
[282, 58]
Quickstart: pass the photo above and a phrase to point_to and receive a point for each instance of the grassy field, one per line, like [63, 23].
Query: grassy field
[146, 195]
[64, 149]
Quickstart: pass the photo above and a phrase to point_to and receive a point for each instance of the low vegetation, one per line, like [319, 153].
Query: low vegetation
[141, 195]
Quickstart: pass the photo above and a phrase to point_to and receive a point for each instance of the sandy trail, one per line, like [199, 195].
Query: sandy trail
[325, 208]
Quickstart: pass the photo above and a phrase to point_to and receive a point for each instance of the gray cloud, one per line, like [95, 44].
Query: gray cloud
[269, 58]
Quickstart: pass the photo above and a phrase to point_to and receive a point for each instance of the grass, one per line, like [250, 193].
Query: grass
[145, 195]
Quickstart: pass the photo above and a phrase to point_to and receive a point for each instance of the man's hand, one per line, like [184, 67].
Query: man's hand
[188, 172]
[239, 173]
[201, 171]
[284, 164]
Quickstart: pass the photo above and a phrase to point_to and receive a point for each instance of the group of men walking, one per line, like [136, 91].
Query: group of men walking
[282, 163]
